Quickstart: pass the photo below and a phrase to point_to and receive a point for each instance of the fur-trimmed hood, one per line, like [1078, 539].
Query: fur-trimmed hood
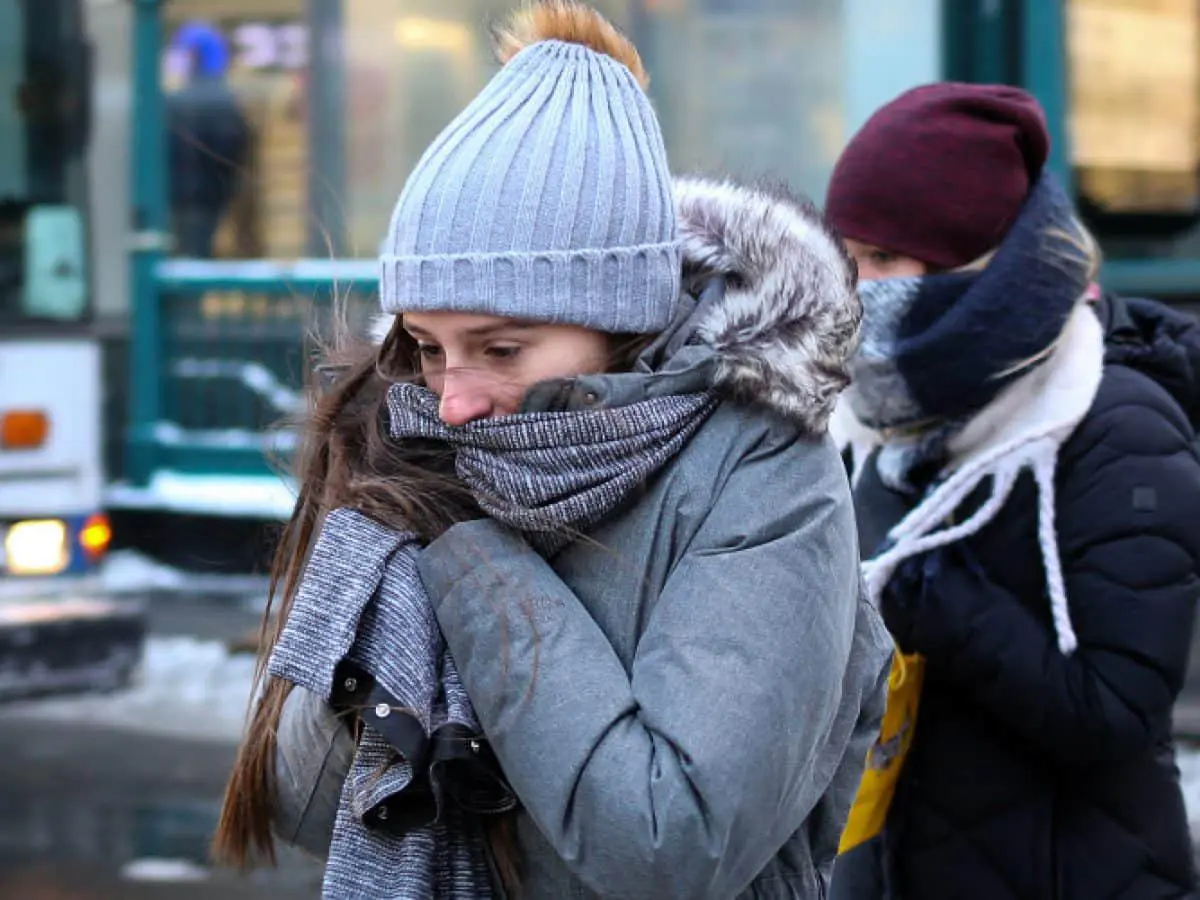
[787, 324]
[789, 321]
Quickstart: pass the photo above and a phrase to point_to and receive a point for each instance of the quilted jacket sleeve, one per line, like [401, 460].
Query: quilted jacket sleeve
[1128, 511]
[683, 777]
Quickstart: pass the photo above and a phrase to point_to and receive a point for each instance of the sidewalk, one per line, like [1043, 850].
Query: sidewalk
[100, 793]
[81, 805]
[1187, 707]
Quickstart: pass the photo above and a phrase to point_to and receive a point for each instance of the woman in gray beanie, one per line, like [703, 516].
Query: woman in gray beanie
[571, 600]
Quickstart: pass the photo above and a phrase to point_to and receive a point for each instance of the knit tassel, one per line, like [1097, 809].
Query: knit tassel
[1024, 428]
[914, 536]
[1043, 471]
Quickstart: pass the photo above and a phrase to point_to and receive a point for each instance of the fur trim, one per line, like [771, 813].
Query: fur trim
[789, 322]
[573, 23]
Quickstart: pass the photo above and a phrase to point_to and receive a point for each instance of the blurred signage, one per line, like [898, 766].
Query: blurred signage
[1135, 100]
[253, 46]
[270, 45]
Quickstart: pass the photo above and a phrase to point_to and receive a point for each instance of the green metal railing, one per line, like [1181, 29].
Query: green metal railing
[230, 351]
[217, 353]
[217, 347]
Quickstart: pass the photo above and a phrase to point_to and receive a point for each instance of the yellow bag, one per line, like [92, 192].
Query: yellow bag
[886, 756]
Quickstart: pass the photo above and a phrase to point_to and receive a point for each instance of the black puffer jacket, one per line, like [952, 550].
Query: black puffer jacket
[1033, 775]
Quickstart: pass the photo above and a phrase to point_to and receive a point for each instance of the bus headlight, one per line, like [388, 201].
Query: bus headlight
[37, 547]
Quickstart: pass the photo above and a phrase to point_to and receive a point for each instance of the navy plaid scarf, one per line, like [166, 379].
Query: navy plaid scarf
[937, 349]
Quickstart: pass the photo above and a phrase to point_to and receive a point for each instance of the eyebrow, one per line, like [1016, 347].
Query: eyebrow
[481, 330]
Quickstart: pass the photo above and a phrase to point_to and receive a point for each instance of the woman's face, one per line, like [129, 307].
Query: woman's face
[481, 366]
[875, 263]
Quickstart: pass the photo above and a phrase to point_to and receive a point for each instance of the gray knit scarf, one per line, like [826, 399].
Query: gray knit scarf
[362, 634]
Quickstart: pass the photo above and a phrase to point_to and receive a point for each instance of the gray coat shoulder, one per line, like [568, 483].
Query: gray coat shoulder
[790, 462]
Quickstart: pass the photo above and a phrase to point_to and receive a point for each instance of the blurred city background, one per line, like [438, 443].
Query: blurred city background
[187, 187]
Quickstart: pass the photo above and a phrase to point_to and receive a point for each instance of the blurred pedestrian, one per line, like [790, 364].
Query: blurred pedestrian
[208, 140]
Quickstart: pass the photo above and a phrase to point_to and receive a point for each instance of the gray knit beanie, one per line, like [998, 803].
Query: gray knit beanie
[548, 198]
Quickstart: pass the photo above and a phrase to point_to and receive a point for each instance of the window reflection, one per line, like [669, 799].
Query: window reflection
[338, 107]
[237, 190]
[1135, 103]
[410, 67]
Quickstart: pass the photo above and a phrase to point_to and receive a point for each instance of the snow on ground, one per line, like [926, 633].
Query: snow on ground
[187, 688]
[127, 571]
[130, 572]
[258, 496]
[163, 870]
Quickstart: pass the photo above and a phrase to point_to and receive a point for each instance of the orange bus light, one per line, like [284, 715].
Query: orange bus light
[23, 429]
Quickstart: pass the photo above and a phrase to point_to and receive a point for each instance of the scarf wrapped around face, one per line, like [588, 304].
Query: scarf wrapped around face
[970, 378]
[939, 348]
[362, 634]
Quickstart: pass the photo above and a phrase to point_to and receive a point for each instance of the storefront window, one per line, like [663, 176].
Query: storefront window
[340, 99]
[1135, 105]
[234, 75]
[409, 68]
[749, 87]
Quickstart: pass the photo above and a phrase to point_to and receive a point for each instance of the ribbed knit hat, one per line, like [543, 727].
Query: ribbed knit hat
[548, 198]
[940, 173]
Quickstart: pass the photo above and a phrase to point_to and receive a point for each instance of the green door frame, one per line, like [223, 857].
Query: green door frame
[148, 184]
[1021, 42]
[1043, 62]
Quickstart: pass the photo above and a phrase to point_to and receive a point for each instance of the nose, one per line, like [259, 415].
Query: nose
[464, 398]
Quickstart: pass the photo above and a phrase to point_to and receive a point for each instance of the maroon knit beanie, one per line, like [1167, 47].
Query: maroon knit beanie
[941, 172]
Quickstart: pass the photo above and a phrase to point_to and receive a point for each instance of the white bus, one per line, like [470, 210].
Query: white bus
[53, 531]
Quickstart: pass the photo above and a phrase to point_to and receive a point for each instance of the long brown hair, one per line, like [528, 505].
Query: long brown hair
[345, 459]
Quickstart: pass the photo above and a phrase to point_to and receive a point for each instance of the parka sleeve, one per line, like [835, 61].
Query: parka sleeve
[684, 776]
[314, 750]
[1129, 537]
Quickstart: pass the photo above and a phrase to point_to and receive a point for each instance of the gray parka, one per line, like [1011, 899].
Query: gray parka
[683, 701]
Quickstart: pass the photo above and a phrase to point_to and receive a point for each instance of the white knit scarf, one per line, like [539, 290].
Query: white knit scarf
[1023, 428]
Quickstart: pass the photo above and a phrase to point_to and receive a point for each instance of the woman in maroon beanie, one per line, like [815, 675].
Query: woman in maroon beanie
[1028, 497]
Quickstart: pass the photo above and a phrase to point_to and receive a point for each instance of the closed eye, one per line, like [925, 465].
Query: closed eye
[503, 351]
[429, 351]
